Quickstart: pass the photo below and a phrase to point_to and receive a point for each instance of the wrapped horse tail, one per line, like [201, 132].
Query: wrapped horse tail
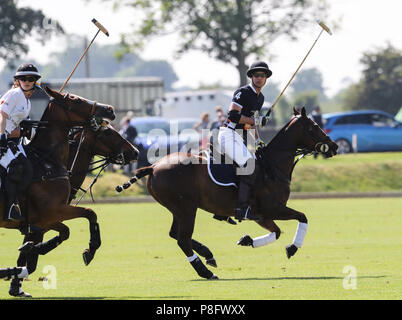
[139, 173]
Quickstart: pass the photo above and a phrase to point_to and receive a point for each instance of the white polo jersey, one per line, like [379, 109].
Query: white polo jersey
[16, 106]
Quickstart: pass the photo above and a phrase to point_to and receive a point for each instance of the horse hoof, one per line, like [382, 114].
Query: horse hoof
[26, 247]
[214, 277]
[21, 294]
[212, 262]
[245, 241]
[290, 250]
[87, 256]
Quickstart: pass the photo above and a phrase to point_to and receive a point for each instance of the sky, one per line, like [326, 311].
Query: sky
[364, 25]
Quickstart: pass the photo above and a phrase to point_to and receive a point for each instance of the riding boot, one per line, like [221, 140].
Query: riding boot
[243, 210]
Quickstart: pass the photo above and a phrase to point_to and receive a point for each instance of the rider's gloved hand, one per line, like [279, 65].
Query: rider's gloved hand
[261, 121]
[259, 143]
[3, 143]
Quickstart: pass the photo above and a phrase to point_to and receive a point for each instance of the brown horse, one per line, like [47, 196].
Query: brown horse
[105, 142]
[181, 185]
[48, 194]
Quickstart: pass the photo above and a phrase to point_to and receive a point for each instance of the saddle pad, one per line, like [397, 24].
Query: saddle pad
[220, 173]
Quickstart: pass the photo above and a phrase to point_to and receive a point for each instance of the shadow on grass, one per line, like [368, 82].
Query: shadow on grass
[292, 278]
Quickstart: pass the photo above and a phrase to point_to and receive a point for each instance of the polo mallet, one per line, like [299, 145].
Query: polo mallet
[324, 27]
[100, 28]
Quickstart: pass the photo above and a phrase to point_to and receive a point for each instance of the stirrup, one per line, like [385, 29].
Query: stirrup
[245, 214]
[14, 213]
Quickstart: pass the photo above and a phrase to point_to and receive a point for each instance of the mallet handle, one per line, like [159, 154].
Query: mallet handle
[297, 70]
[79, 61]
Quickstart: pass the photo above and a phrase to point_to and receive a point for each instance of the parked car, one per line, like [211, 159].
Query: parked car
[158, 137]
[365, 130]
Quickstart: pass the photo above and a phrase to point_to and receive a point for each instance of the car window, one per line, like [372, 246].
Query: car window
[354, 119]
[143, 128]
[380, 120]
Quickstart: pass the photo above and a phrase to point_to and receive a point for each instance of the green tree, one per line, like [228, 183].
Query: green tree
[16, 24]
[102, 64]
[307, 80]
[381, 84]
[233, 31]
[308, 99]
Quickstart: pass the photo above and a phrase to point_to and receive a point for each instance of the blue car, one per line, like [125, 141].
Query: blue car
[158, 137]
[364, 131]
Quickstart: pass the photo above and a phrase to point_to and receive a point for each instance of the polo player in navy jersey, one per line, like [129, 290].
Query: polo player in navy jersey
[246, 101]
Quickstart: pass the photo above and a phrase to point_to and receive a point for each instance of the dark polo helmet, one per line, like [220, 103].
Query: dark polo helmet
[27, 69]
[259, 66]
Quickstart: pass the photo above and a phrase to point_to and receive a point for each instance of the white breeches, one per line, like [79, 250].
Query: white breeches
[231, 144]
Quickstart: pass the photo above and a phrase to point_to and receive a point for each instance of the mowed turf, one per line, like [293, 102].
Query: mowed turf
[138, 259]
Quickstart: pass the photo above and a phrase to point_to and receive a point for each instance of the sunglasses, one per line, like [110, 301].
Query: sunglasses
[260, 75]
[29, 79]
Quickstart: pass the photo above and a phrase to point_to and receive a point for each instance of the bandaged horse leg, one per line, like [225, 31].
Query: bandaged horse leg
[265, 239]
[198, 247]
[286, 213]
[28, 259]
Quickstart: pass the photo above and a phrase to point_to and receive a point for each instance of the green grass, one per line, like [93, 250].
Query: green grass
[138, 260]
[363, 172]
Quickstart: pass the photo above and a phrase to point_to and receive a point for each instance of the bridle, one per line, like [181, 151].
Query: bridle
[102, 164]
[322, 144]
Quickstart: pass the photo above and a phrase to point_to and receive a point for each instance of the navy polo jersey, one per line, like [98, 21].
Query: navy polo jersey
[248, 100]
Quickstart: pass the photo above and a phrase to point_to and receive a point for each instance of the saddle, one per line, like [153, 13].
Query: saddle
[221, 170]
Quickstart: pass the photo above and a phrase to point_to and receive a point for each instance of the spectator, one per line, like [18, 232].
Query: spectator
[316, 116]
[203, 124]
[220, 118]
[129, 132]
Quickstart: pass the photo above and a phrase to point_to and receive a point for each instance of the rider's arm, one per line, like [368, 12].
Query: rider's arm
[243, 119]
[3, 118]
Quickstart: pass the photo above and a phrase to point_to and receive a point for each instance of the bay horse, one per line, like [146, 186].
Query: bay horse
[105, 142]
[48, 194]
[180, 182]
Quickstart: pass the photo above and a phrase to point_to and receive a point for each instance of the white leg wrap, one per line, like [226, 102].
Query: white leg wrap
[264, 240]
[23, 273]
[192, 258]
[300, 234]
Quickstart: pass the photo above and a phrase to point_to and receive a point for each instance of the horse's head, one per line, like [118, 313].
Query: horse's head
[75, 109]
[108, 143]
[310, 136]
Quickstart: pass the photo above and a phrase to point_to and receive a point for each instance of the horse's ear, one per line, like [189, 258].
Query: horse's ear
[52, 93]
[303, 112]
[295, 111]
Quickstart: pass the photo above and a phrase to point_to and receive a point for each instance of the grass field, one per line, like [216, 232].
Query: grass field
[138, 260]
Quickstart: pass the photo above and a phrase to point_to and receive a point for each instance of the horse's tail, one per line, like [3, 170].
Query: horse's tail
[139, 173]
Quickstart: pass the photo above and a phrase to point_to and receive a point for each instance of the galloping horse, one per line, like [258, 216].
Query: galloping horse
[48, 194]
[105, 142]
[182, 185]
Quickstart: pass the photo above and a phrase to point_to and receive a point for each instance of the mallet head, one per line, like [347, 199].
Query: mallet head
[324, 26]
[100, 27]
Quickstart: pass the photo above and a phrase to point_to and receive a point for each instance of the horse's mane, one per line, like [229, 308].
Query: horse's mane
[280, 132]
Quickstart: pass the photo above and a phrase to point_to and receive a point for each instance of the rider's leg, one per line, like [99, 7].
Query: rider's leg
[232, 144]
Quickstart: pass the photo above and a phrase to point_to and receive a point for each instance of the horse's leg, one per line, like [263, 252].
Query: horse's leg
[43, 248]
[280, 213]
[265, 239]
[286, 213]
[70, 212]
[28, 259]
[198, 247]
[185, 218]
